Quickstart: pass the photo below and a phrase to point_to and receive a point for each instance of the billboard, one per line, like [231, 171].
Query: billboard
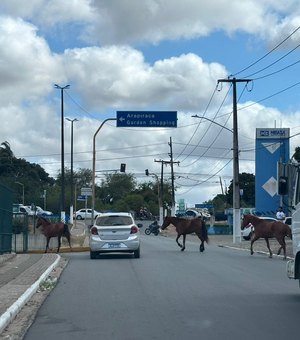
[272, 146]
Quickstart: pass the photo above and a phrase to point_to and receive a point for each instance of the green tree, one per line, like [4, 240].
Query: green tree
[15, 171]
[296, 155]
[247, 184]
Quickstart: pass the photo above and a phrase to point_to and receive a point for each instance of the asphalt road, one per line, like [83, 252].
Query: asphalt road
[168, 294]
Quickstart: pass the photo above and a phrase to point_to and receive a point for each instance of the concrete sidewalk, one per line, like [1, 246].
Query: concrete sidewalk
[20, 278]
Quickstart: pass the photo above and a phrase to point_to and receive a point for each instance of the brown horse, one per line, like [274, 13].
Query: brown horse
[267, 229]
[57, 229]
[187, 226]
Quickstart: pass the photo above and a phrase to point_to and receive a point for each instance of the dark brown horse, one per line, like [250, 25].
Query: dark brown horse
[57, 229]
[267, 229]
[187, 226]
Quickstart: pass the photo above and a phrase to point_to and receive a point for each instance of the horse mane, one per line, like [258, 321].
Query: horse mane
[44, 219]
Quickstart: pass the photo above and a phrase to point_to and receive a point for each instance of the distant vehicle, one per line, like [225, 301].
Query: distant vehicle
[288, 221]
[247, 232]
[83, 214]
[192, 213]
[115, 232]
[38, 211]
[21, 209]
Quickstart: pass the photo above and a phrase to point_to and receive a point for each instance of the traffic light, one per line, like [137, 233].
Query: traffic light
[147, 172]
[122, 167]
[283, 185]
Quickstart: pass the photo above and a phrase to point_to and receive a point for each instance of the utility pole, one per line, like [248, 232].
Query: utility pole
[236, 184]
[162, 182]
[172, 176]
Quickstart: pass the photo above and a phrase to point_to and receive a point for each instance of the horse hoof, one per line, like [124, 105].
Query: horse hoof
[182, 249]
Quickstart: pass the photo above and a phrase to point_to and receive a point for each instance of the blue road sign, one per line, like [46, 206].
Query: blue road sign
[204, 205]
[81, 198]
[147, 119]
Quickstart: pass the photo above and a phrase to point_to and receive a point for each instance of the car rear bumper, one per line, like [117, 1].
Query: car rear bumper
[114, 245]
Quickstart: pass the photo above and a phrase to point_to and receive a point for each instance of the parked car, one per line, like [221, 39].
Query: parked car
[83, 214]
[247, 232]
[115, 232]
[21, 209]
[288, 221]
[191, 213]
[38, 211]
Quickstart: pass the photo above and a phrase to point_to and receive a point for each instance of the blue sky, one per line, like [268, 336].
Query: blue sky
[147, 55]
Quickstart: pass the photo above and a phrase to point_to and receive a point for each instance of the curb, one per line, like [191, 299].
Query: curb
[257, 251]
[7, 317]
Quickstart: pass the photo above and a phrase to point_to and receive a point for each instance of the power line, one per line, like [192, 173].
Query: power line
[264, 56]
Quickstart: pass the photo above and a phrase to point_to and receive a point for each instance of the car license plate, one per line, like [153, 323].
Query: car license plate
[113, 245]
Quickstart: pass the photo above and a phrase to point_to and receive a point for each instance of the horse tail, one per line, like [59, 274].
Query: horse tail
[67, 234]
[204, 233]
[66, 229]
[289, 232]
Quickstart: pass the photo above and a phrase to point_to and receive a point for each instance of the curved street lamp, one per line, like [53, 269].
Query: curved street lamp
[236, 185]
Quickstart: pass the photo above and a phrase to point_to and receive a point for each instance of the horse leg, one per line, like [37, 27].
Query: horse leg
[268, 245]
[253, 239]
[47, 244]
[202, 246]
[182, 249]
[202, 242]
[282, 246]
[177, 238]
[58, 240]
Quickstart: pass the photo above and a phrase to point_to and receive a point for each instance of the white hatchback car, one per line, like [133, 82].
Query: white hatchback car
[247, 232]
[83, 214]
[115, 232]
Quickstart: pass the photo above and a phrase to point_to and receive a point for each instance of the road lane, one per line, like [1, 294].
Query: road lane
[169, 294]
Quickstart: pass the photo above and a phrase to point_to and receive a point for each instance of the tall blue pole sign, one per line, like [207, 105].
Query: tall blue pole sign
[272, 146]
[161, 119]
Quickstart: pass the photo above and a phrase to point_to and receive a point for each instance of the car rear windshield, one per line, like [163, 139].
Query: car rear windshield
[113, 220]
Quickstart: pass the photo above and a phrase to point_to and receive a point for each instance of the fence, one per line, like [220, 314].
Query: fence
[6, 202]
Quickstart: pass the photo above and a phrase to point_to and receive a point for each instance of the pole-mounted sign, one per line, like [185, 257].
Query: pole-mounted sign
[161, 119]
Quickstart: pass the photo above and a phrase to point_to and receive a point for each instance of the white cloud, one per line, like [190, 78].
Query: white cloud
[122, 21]
[118, 77]
[49, 13]
[27, 65]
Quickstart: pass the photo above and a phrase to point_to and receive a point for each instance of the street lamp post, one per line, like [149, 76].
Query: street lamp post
[94, 166]
[23, 200]
[236, 189]
[71, 180]
[62, 88]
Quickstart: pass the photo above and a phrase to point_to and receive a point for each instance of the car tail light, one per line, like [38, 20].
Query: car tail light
[134, 229]
[94, 231]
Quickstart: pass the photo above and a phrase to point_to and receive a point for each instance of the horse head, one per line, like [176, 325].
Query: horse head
[40, 221]
[166, 223]
[246, 222]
